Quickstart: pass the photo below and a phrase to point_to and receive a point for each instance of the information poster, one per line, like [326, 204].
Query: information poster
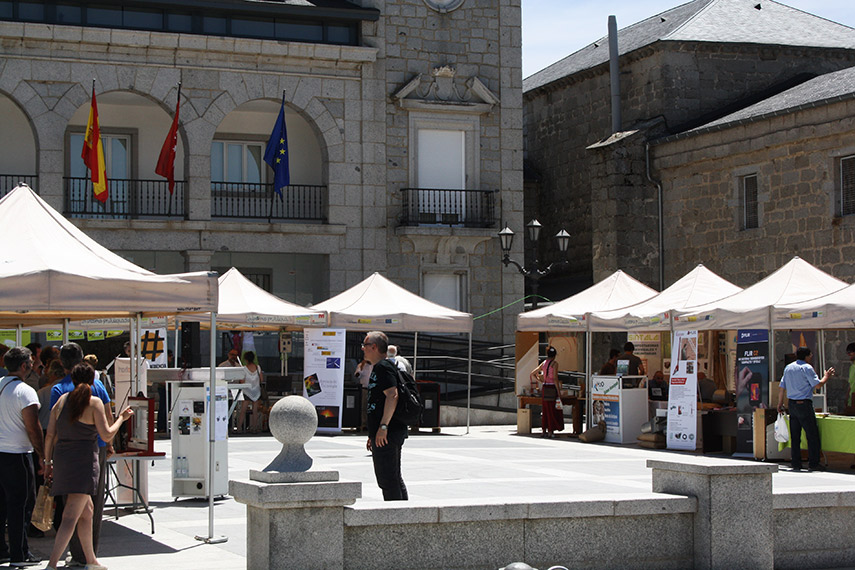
[648, 348]
[683, 392]
[323, 375]
[752, 383]
[605, 397]
[221, 412]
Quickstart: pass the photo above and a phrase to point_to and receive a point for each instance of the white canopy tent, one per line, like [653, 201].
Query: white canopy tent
[243, 305]
[795, 282]
[377, 303]
[833, 311]
[52, 272]
[754, 307]
[617, 291]
[697, 287]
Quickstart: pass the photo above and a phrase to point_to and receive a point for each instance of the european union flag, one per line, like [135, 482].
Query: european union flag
[276, 154]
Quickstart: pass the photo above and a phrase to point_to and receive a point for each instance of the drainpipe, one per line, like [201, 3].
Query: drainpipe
[614, 74]
[658, 185]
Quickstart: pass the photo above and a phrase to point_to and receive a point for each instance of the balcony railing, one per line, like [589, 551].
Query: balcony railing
[253, 202]
[8, 182]
[467, 208]
[128, 199]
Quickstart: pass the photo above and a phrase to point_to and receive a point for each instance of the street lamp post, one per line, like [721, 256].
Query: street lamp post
[506, 240]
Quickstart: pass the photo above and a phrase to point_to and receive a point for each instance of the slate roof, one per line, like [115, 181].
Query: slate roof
[717, 21]
[822, 90]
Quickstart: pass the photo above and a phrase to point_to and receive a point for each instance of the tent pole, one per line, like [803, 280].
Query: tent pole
[19, 335]
[469, 385]
[416, 353]
[771, 356]
[135, 356]
[177, 349]
[589, 345]
[821, 368]
[212, 425]
[65, 332]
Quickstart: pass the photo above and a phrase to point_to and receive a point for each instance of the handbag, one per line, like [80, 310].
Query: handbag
[782, 430]
[43, 512]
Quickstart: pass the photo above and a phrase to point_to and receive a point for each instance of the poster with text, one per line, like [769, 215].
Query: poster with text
[682, 392]
[323, 375]
[605, 396]
[752, 383]
[648, 349]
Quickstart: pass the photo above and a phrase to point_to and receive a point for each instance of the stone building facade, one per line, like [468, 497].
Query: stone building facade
[678, 70]
[797, 149]
[362, 82]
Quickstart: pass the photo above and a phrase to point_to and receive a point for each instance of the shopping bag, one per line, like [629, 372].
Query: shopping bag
[782, 430]
[558, 404]
[43, 512]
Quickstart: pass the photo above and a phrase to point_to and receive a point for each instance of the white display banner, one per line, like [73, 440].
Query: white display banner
[152, 347]
[221, 411]
[683, 391]
[323, 375]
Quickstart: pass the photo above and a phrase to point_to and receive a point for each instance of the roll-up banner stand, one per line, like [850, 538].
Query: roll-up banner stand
[683, 392]
[323, 375]
[752, 383]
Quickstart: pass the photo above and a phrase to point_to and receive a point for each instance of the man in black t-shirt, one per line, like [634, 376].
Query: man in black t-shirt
[636, 367]
[385, 435]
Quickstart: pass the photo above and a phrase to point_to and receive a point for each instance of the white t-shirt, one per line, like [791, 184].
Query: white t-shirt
[15, 397]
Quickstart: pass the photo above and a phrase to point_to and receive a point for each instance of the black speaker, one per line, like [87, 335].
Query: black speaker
[190, 354]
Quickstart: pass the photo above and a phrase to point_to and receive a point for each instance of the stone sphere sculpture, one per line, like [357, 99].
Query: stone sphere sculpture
[293, 421]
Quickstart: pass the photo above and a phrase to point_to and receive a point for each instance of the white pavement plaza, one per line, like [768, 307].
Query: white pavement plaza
[491, 464]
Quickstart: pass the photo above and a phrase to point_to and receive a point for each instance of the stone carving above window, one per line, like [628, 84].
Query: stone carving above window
[443, 6]
[443, 90]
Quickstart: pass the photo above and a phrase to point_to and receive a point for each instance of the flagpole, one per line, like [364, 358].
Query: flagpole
[89, 170]
[273, 186]
[177, 103]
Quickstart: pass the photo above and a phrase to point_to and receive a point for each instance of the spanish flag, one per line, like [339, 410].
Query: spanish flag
[93, 153]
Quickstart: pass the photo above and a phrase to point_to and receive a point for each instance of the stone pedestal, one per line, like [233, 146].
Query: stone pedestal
[733, 526]
[295, 516]
[295, 523]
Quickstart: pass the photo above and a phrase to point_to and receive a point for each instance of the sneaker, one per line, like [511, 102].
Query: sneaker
[4, 558]
[817, 468]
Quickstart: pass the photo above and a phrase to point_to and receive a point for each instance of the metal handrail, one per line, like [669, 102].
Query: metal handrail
[448, 207]
[9, 182]
[256, 201]
[128, 198]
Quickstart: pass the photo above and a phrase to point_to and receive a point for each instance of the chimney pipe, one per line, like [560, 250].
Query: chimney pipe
[614, 74]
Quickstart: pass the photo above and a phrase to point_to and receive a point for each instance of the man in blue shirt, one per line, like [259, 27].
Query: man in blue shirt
[70, 355]
[799, 381]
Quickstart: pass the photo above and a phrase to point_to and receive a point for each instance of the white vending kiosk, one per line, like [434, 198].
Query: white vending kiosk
[189, 428]
[622, 403]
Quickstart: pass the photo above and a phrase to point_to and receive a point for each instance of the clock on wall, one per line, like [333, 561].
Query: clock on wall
[444, 5]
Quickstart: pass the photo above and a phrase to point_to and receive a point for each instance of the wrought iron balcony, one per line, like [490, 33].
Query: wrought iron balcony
[466, 208]
[8, 182]
[257, 202]
[129, 199]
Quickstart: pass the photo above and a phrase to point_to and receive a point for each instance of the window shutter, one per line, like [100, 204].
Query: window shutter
[847, 185]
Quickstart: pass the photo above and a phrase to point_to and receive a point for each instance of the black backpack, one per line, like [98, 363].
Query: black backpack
[410, 403]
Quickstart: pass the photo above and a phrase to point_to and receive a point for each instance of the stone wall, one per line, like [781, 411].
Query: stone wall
[667, 86]
[343, 92]
[795, 157]
[481, 39]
